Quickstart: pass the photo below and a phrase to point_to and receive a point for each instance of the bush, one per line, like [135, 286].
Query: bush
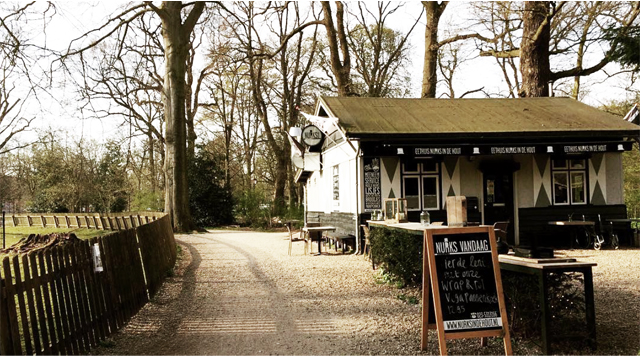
[253, 208]
[210, 200]
[399, 253]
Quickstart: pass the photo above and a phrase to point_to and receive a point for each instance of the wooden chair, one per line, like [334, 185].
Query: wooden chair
[500, 229]
[304, 236]
[367, 244]
[297, 239]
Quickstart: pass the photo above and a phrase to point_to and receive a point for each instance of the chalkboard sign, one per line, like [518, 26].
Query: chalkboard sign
[372, 192]
[463, 274]
[466, 282]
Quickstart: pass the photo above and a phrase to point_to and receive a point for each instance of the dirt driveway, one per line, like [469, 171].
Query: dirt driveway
[240, 293]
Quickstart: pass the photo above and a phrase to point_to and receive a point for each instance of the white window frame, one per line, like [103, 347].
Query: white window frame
[437, 177]
[421, 173]
[569, 172]
[584, 186]
[404, 186]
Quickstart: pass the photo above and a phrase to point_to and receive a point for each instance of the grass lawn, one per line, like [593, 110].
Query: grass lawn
[14, 234]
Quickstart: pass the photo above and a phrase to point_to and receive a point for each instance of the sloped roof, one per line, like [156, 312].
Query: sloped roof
[362, 117]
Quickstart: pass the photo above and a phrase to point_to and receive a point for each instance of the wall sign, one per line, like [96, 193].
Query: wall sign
[436, 151]
[312, 136]
[372, 191]
[462, 267]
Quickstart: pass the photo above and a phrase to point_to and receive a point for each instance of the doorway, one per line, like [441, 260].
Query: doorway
[498, 200]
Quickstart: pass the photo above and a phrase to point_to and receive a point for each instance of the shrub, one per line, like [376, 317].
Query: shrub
[253, 208]
[210, 200]
[399, 253]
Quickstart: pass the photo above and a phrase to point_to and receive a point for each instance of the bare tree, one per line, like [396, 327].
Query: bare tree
[176, 33]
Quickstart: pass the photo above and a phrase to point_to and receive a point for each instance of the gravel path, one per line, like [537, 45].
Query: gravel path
[240, 293]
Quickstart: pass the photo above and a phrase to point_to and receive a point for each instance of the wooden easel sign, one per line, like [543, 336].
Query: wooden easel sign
[461, 269]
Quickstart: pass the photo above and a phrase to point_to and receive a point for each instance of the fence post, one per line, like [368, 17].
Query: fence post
[78, 221]
[6, 346]
[56, 222]
[29, 221]
[14, 220]
[44, 221]
[68, 221]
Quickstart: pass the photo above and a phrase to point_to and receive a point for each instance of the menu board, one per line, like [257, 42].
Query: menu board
[462, 271]
[372, 192]
[466, 282]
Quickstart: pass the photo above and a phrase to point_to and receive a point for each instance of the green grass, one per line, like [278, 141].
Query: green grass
[14, 234]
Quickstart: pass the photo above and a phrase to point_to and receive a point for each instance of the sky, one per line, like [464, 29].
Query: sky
[75, 18]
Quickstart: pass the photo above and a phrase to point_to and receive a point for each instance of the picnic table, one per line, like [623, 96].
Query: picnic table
[318, 230]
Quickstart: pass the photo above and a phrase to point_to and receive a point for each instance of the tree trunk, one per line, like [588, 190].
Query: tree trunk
[433, 11]
[176, 41]
[337, 38]
[534, 50]
[152, 162]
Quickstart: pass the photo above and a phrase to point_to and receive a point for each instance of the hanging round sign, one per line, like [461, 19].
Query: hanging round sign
[311, 135]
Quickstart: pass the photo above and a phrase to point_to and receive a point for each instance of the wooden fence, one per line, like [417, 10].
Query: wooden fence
[90, 221]
[52, 301]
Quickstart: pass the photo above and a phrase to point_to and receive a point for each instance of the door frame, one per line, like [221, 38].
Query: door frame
[502, 167]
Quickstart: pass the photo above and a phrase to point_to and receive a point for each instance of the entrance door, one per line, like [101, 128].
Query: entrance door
[498, 200]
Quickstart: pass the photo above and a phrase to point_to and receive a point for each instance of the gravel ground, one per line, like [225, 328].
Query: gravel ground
[240, 293]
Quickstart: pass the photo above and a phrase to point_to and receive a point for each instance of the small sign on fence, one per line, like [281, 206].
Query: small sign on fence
[97, 260]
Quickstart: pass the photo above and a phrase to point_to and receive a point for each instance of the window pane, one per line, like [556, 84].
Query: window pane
[577, 164]
[412, 192]
[430, 167]
[577, 188]
[560, 192]
[410, 167]
[559, 163]
[430, 191]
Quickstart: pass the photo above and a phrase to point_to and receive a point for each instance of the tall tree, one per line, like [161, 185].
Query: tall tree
[538, 20]
[338, 47]
[381, 53]
[433, 11]
[176, 33]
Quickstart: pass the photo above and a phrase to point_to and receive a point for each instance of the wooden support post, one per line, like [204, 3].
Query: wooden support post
[139, 220]
[14, 220]
[44, 221]
[56, 222]
[29, 222]
[68, 221]
[78, 221]
[6, 346]
[117, 223]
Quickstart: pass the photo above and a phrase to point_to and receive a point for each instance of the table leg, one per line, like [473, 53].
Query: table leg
[546, 339]
[590, 306]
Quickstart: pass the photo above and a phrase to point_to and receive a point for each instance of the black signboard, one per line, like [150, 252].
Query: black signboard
[461, 271]
[372, 192]
[466, 282]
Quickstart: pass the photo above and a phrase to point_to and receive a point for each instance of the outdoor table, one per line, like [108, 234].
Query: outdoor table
[319, 229]
[412, 227]
[573, 223]
[541, 268]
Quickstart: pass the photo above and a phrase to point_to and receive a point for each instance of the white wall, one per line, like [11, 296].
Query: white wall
[320, 184]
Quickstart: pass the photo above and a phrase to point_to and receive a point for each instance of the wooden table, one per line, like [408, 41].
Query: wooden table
[319, 229]
[412, 227]
[541, 268]
[573, 223]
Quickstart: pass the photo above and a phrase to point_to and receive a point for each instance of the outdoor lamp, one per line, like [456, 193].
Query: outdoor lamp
[620, 147]
[549, 149]
[295, 131]
[476, 150]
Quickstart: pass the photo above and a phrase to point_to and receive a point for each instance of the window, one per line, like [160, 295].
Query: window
[421, 185]
[569, 181]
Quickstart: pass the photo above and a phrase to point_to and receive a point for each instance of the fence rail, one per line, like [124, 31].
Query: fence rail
[53, 301]
[113, 222]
